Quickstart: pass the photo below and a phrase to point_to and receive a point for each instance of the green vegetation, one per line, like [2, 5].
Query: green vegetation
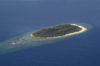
[58, 30]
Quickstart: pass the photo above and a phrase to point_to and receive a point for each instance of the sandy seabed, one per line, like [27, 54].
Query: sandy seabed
[26, 41]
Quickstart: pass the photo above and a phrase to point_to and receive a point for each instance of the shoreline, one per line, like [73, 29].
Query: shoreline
[70, 34]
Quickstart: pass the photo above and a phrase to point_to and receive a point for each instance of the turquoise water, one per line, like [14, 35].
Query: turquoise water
[20, 17]
[26, 41]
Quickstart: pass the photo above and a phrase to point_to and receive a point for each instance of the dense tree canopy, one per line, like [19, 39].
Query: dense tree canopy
[58, 30]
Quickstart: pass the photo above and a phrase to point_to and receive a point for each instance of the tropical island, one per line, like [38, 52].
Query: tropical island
[59, 31]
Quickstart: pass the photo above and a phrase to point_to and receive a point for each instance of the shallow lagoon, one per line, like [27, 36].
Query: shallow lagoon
[19, 17]
[27, 40]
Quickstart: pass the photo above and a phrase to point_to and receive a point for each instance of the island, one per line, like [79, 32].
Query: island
[59, 31]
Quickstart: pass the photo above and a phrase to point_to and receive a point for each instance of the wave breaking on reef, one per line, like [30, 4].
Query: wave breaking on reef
[26, 41]
[20, 42]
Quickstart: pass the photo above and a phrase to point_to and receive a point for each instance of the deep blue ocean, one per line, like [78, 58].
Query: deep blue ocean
[21, 16]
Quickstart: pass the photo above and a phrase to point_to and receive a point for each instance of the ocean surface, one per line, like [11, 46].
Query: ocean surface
[18, 17]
